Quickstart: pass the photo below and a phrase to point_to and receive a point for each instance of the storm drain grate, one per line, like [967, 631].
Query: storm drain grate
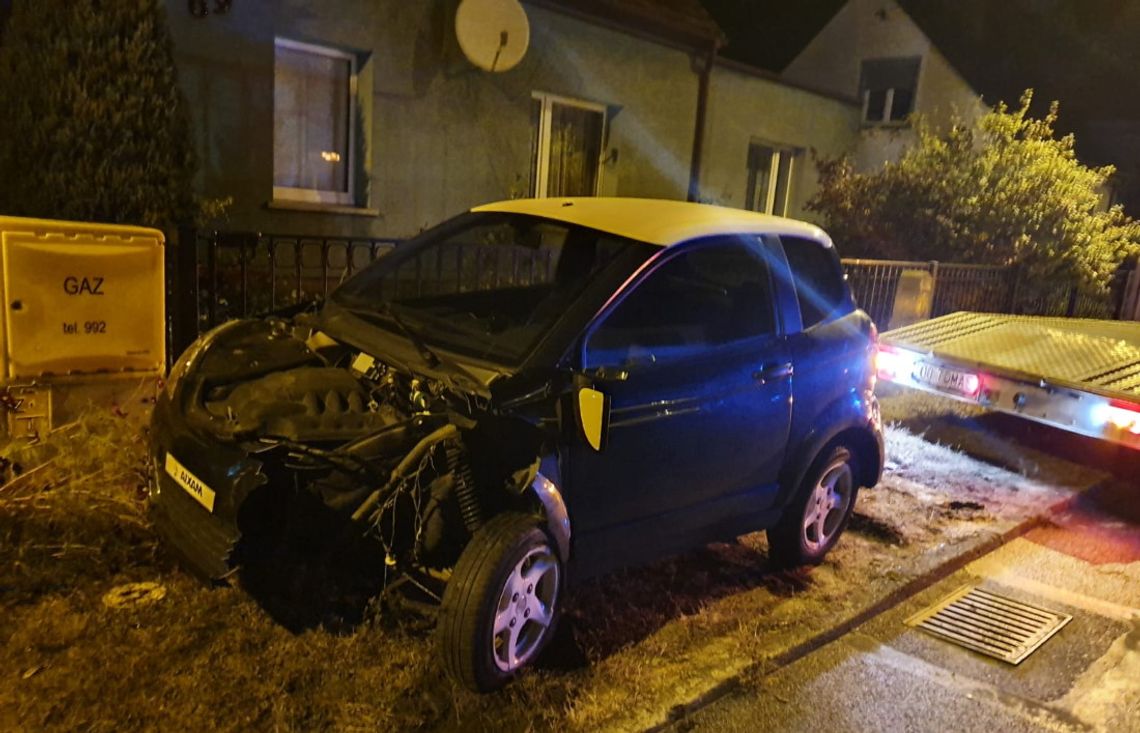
[994, 625]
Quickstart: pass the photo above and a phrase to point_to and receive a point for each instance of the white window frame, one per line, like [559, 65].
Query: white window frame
[889, 97]
[545, 121]
[312, 195]
[769, 197]
[887, 110]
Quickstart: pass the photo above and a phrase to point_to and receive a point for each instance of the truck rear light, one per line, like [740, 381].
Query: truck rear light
[1121, 414]
[890, 364]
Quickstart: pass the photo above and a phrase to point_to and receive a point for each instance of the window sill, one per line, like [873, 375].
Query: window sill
[894, 125]
[319, 208]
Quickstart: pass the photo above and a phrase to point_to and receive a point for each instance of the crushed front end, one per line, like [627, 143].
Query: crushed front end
[271, 433]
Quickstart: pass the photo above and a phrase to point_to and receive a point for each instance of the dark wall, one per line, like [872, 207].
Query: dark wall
[444, 136]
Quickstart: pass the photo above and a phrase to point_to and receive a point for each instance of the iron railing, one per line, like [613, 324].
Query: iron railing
[982, 288]
[874, 284]
[238, 274]
[973, 288]
[222, 275]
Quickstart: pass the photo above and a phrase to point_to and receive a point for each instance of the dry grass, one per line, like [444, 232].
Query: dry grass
[633, 645]
[73, 505]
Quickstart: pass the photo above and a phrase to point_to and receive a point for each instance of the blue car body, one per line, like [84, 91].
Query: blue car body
[417, 415]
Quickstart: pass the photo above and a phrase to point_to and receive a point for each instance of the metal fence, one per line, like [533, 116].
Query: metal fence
[982, 288]
[220, 275]
[956, 287]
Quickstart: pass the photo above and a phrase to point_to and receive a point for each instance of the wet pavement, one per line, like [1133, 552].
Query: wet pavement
[888, 676]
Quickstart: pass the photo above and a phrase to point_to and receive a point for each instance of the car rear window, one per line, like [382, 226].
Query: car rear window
[818, 278]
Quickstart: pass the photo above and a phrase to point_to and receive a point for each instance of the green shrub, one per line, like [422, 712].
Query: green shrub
[1002, 190]
[94, 127]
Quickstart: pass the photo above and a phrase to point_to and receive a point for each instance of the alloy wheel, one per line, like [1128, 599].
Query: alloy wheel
[526, 609]
[827, 505]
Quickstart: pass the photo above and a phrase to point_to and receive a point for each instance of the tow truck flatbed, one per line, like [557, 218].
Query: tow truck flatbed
[1075, 374]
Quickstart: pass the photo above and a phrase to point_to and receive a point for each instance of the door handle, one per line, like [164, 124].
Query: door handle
[610, 374]
[773, 372]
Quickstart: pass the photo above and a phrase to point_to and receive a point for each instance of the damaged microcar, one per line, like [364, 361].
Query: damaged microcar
[531, 393]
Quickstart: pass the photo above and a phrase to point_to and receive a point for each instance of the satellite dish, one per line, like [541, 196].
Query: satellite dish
[493, 34]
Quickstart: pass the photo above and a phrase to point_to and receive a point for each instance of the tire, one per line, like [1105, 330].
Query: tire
[819, 511]
[501, 606]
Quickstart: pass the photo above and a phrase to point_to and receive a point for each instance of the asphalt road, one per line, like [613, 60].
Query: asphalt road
[888, 676]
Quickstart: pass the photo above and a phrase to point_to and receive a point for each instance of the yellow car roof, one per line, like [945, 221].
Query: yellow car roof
[657, 221]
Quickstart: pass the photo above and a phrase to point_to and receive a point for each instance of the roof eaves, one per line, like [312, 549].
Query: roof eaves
[660, 23]
[743, 68]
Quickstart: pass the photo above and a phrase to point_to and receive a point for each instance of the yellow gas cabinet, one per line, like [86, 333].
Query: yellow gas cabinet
[84, 316]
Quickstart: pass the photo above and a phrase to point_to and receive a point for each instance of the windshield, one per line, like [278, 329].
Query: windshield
[488, 285]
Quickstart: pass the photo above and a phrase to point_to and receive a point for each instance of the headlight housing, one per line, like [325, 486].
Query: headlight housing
[191, 356]
[178, 371]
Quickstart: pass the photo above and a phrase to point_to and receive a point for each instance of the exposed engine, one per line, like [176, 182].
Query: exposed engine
[303, 404]
[375, 444]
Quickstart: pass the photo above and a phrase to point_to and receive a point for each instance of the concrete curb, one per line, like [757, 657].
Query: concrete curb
[677, 715]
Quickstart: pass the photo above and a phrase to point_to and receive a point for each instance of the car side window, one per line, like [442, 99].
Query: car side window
[818, 279]
[715, 294]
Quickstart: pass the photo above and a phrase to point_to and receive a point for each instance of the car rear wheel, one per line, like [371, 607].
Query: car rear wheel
[502, 603]
[817, 516]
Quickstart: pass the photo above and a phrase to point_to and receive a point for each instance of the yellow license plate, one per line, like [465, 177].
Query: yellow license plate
[193, 485]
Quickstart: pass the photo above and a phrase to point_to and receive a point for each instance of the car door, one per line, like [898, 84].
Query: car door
[698, 380]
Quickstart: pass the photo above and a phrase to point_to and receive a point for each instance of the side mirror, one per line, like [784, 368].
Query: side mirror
[593, 410]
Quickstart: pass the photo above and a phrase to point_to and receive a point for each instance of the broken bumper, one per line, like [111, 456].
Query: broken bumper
[198, 487]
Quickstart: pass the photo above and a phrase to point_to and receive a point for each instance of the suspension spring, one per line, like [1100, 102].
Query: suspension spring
[465, 490]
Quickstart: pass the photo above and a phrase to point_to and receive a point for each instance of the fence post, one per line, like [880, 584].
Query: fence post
[243, 268]
[1127, 285]
[934, 289]
[1014, 287]
[184, 303]
[212, 269]
[1074, 293]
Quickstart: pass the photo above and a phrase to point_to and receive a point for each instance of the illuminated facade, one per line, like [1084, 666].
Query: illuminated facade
[366, 118]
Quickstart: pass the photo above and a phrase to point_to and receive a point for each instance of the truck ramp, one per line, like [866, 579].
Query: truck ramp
[1075, 374]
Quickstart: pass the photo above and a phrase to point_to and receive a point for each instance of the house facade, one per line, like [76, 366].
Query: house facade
[366, 118]
[873, 50]
[762, 133]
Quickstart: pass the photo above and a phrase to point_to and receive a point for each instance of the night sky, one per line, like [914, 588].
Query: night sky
[767, 33]
[1083, 53]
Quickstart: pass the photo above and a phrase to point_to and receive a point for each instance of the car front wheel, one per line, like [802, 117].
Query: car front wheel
[501, 605]
[818, 513]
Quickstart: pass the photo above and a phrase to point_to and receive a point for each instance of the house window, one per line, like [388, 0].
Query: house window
[888, 88]
[567, 151]
[770, 177]
[313, 107]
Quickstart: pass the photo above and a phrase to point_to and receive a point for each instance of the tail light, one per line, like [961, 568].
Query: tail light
[890, 364]
[1123, 415]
